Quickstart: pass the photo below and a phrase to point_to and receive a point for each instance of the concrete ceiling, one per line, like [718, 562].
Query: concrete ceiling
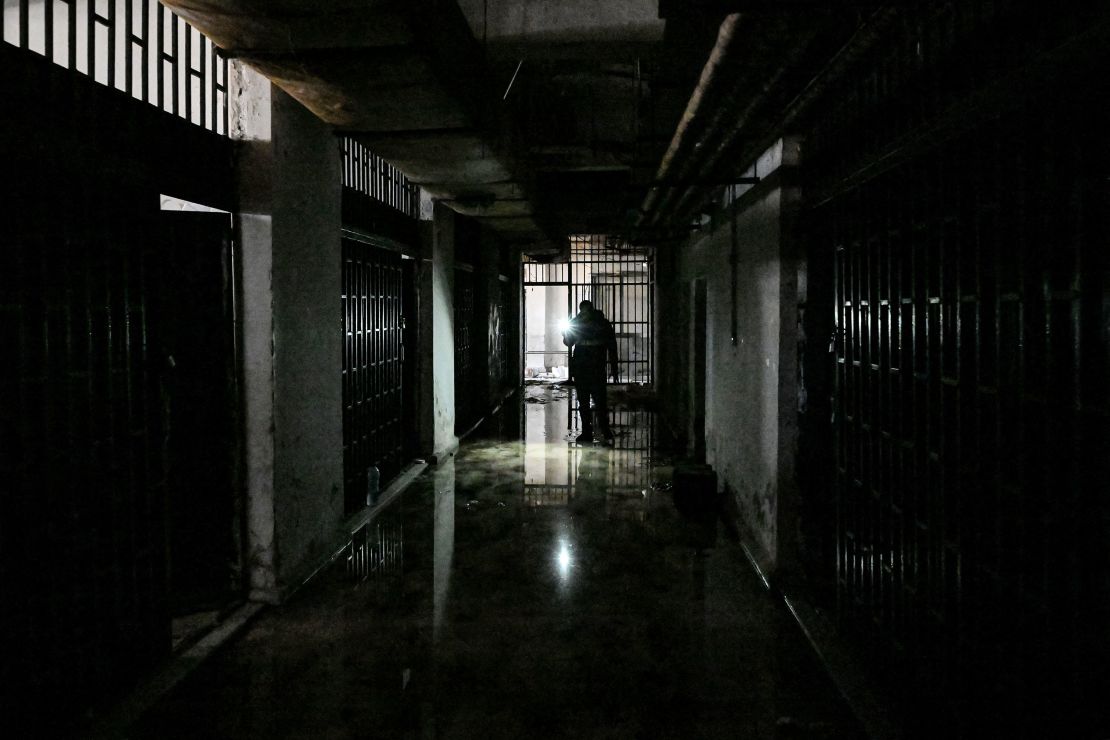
[540, 118]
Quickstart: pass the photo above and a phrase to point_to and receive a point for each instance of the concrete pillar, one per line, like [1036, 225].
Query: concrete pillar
[436, 277]
[250, 117]
[290, 187]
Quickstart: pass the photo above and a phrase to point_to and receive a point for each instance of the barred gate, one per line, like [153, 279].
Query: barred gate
[379, 210]
[373, 368]
[618, 281]
[136, 46]
[94, 412]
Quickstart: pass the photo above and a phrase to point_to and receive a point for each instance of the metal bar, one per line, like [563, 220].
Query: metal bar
[201, 87]
[225, 105]
[175, 62]
[187, 70]
[90, 31]
[24, 24]
[48, 29]
[110, 22]
[144, 16]
[71, 35]
[128, 35]
[160, 56]
[214, 86]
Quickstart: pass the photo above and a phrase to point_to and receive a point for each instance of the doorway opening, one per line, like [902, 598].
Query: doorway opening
[546, 313]
[200, 396]
[618, 279]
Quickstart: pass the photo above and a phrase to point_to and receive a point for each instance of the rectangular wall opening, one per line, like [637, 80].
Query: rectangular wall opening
[617, 279]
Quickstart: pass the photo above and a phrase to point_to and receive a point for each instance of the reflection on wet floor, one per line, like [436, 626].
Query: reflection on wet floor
[540, 589]
[376, 548]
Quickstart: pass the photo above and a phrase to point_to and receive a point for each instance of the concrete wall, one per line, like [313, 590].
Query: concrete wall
[307, 266]
[750, 427]
[290, 220]
[289, 183]
[436, 278]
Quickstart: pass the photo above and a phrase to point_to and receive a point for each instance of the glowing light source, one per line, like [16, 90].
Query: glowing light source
[564, 324]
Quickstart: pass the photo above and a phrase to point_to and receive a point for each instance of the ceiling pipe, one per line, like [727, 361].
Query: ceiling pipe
[706, 160]
[726, 36]
[740, 122]
[687, 171]
[862, 41]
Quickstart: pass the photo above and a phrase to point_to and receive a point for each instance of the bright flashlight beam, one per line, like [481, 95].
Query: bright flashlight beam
[564, 324]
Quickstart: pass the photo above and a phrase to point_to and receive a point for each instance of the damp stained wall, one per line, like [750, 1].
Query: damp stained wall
[750, 393]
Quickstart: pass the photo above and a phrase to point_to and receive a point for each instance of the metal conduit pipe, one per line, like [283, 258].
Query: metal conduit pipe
[862, 41]
[690, 164]
[759, 47]
[743, 118]
[726, 35]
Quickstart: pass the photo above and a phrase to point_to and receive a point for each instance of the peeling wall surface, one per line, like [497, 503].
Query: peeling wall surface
[748, 441]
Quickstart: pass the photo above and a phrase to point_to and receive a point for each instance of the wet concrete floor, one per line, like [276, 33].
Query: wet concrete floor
[527, 588]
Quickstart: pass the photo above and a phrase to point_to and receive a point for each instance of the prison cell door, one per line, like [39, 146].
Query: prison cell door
[195, 289]
[374, 369]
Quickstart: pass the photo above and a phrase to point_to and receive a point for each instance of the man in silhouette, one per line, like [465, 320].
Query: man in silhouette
[591, 340]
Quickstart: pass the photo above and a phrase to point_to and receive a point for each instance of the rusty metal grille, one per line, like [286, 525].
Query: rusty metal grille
[970, 404]
[619, 282]
[135, 46]
[373, 368]
[369, 174]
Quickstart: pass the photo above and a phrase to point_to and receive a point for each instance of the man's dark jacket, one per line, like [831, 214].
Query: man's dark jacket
[591, 339]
